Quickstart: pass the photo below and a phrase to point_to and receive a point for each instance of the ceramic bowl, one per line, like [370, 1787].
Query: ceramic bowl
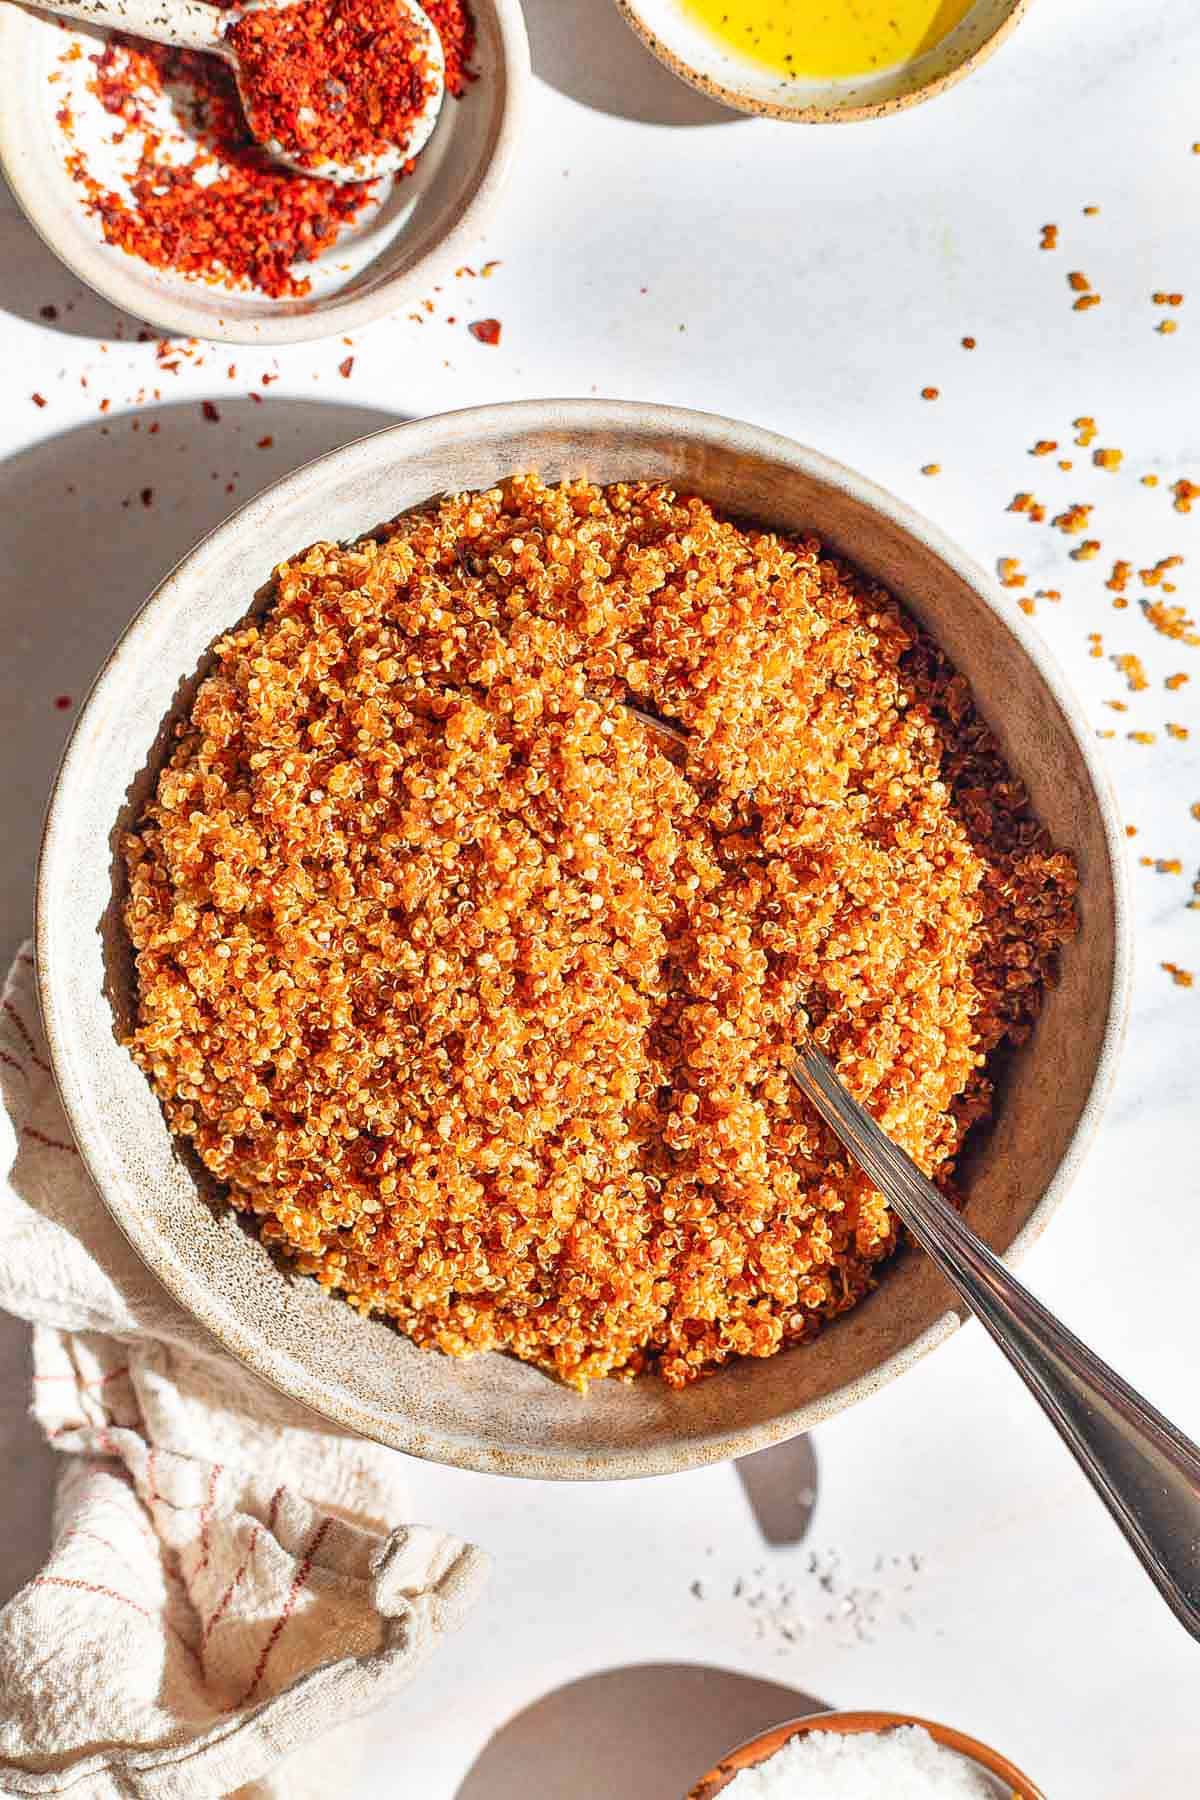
[424, 228]
[493, 1412]
[690, 52]
[1009, 1783]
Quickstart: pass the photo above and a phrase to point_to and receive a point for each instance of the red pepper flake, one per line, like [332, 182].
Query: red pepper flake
[929, 393]
[268, 379]
[1175, 681]
[48, 312]
[486, 330]
[1078, 282]
[346, 367]
[229, 213]
[489, 267]
[968, 343]
[1181, 977]
[1049, 238]
[147, 496]
[340, 79]
[210, 411]
[38, 399]
[265, 443]
[231, 372]
[62, 701]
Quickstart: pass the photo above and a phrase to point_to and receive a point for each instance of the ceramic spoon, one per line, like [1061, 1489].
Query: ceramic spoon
[193, 25]
[1145, 1471]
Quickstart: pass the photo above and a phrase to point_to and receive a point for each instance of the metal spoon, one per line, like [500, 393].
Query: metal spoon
[194, 25]
[1144, 1469]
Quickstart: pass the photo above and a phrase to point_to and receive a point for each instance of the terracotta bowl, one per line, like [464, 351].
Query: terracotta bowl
[1010, 1784]
[696, 57]
[492, 1412]
[391, 259]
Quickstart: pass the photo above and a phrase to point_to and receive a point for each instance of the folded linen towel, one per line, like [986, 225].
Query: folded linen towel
[228, 1577]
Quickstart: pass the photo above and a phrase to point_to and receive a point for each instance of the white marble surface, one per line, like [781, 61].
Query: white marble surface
[813, 281]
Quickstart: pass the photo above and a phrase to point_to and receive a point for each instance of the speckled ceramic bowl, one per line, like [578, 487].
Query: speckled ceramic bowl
[495, 1413]
[390, 259]
[1007, 1780]
[697, 57]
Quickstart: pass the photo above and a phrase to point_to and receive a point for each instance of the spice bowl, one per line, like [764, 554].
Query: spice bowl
[413, 235]
[493, 1412]
[1006, 1780]
[718, 69]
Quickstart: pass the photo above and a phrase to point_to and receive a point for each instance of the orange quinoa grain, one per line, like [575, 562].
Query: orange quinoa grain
[480, 1002]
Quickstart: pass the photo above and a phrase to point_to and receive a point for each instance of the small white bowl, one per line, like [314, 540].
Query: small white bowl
[693, 54]
[424, 227]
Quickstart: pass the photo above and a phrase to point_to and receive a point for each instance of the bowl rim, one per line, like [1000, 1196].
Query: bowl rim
[741, 101]
[174, 315]
[757, 1749]
[415, 440]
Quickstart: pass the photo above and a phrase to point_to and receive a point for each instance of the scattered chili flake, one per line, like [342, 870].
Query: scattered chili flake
[1106, 734]
[1086, 427]
[1120, 604]
[1044, 447]
[265, 443]
[147, 496]
[929, 393]
[1108, 459]
[1048, 594]
[1131, 667]
[1066, 463]
[1049, 238]
[1089, 212]
[1194, 809]
[1096, 643]
[38, 399]
[1118, 581]
[340, 80]
[1085, 302]
[1177, 731]
[1174, 681]
[490, 267]
[346, 367]
[1185, 492]
[1171, 621]
[931, 468]
[1165, 327]
[231, 372]
[1166, 865]
[1181, 977]
[1073, 521]
[1025, 503]
[1078, 282]
[210, 411]
[486, 330]
[1009, 570]
[968, 343]
[1026, 604]
[62, 701]
[1084, 552]
[1131, 831]
[1149, 480]
[1142, 737]
[51, 313]
[1117, 705]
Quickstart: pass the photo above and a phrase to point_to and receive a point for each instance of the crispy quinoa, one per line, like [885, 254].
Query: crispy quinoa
[479, 999]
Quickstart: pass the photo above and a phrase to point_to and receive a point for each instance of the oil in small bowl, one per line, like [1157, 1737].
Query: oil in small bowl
[828, 39]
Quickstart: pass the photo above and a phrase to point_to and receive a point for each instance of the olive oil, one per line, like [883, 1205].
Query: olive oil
[828, 38]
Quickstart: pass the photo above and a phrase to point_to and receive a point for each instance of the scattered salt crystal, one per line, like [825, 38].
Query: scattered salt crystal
[902, 1764]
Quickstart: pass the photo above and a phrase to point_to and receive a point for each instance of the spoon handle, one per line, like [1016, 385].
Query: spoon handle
[184, 24]
[1146, 1472]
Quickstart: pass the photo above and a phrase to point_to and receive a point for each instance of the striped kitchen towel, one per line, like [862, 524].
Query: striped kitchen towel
[228, 1575]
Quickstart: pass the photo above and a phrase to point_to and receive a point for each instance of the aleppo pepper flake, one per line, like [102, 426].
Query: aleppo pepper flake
[486, 330]
[229, 213]
[338, 79]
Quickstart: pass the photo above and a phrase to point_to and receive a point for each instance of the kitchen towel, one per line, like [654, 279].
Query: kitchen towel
[229, 1576]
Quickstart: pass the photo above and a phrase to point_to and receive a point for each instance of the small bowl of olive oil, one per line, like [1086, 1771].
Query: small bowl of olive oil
[822, 60]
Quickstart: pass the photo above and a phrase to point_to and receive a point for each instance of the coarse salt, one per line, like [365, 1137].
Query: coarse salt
[902, 1764]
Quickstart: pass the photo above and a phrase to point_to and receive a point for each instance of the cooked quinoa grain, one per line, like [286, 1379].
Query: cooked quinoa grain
[480, 1001]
